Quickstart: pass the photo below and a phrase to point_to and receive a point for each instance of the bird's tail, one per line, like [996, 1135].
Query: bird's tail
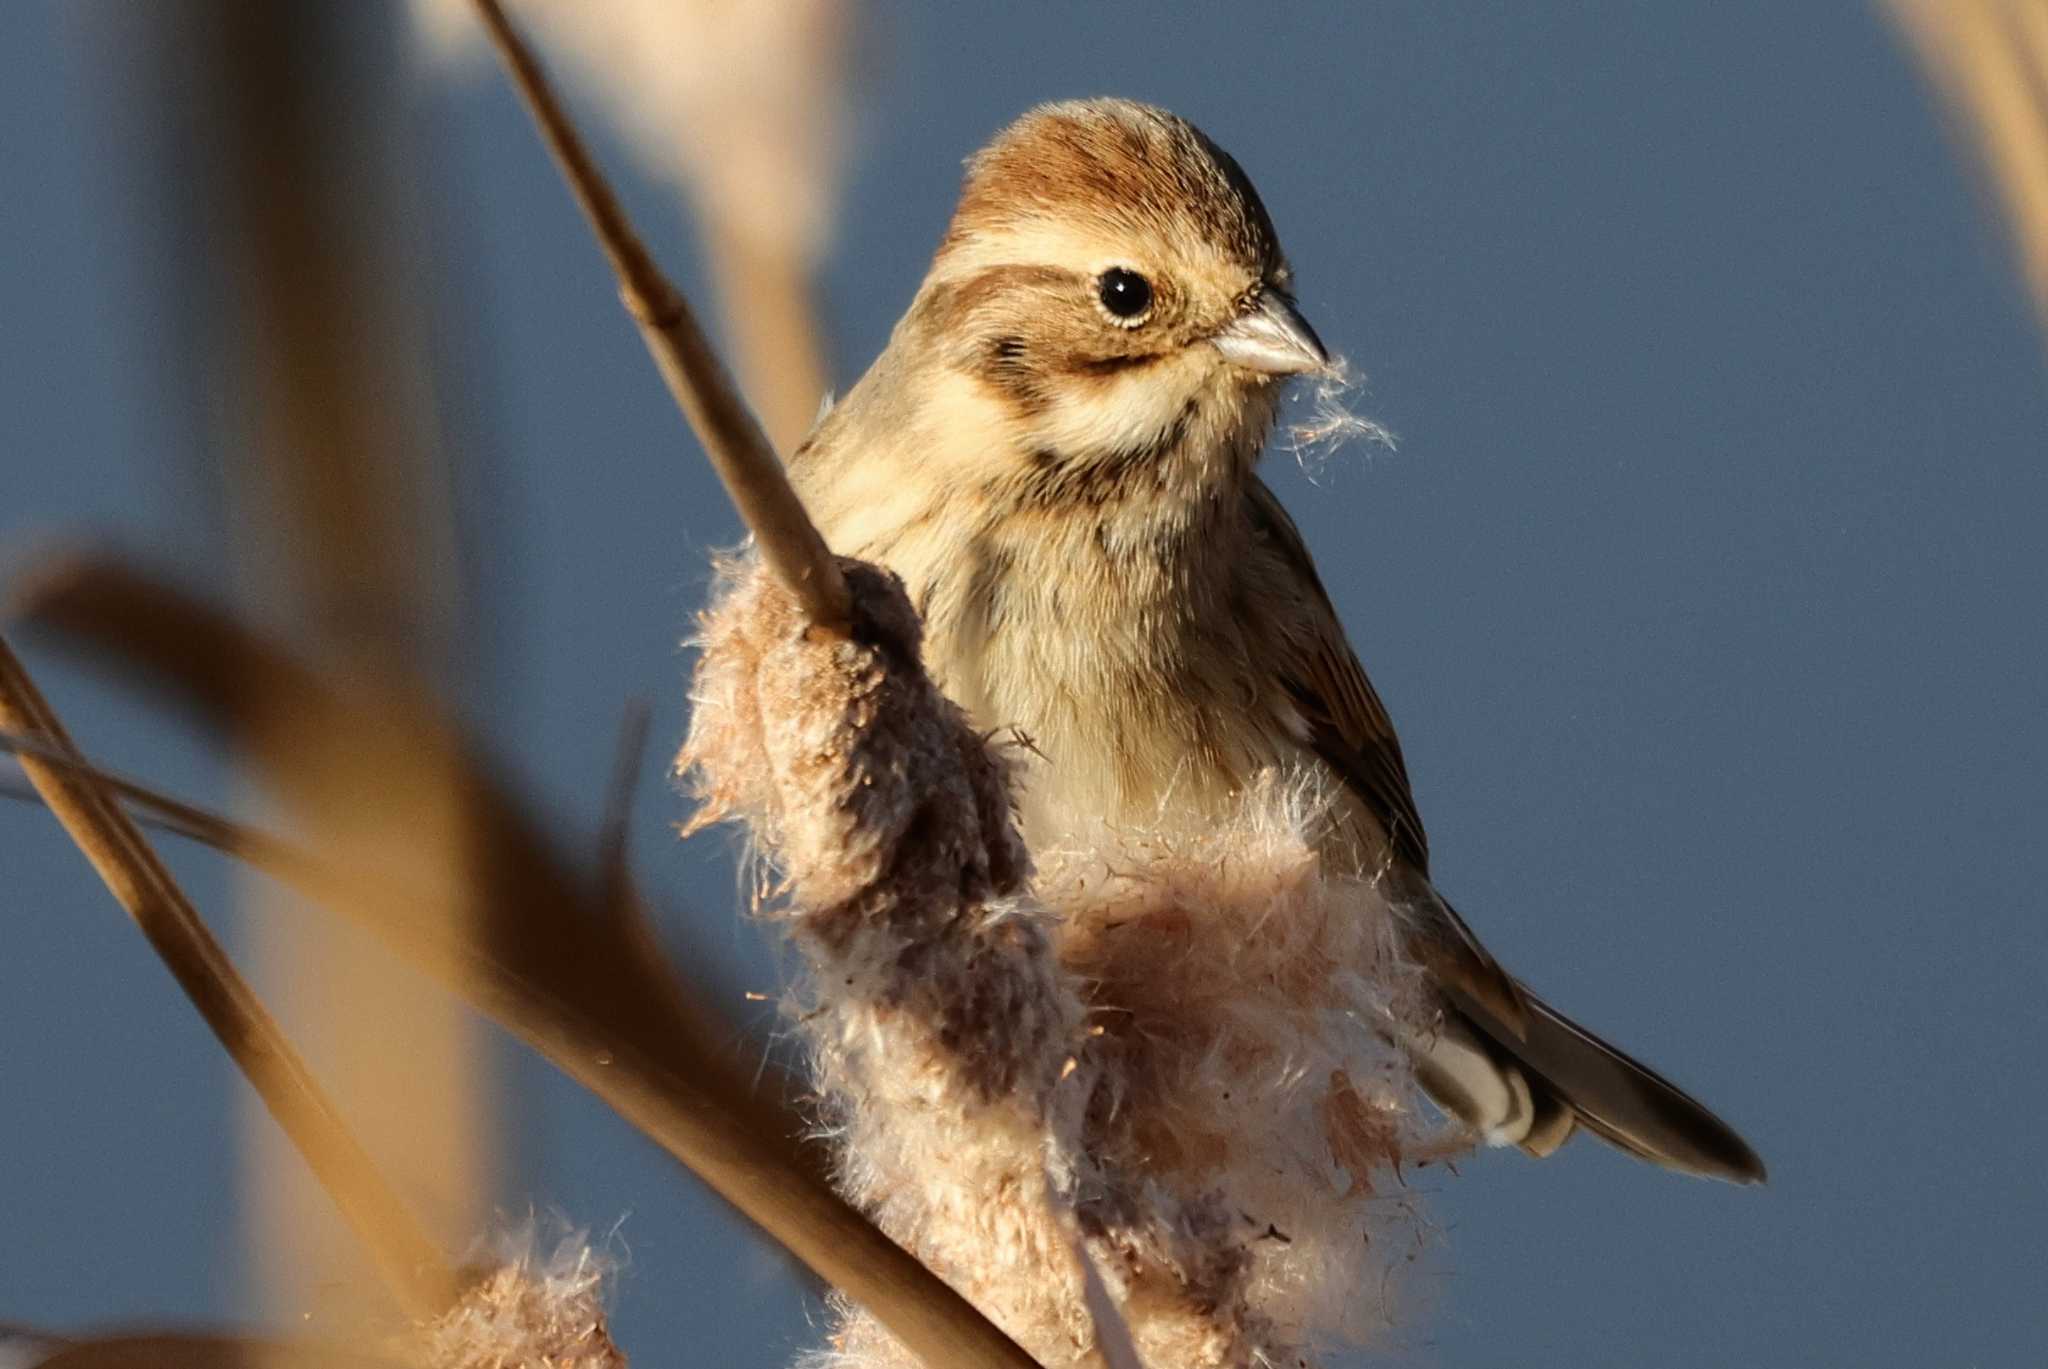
[1535, 1089]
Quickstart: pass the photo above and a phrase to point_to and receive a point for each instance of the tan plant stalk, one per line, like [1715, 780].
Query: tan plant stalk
[515, 1310]
[148, 806]
[590, 990]
[1990, 59]
[979, 1121]
[508, 1320]
[742, 109]
[415, 1270]
[253, 846]
[702, 388]
[534, 946]
[339, 519]
[173, 1350]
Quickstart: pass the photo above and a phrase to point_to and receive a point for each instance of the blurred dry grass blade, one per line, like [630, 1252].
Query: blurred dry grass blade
[342, 493]
[414, 1270]
[527, 940]
[261, 850]
[174, 1350]
[732, 437]
[286, 861]
[742, 108]
[1990, 59]
[340, 523]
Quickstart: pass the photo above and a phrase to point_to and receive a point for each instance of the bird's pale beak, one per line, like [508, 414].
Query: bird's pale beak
[1273, 338]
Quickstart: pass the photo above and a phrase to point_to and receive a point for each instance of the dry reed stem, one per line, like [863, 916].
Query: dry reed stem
[414, 1269]
[742, 109]
[297, 867]
[1990, 58]
[173, 1350]
[534, 948]
[343, 502]
[341, 519]
[262, 851]
[731, 436]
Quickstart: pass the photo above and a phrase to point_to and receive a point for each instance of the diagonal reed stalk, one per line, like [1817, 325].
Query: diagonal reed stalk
[696, 378]
[173, 1350]
[414, 1268]
[565, 961]
[743, 109]
[1990, 60]
[341, 523]
[931, 1319]
[531, 942]
[286, 861]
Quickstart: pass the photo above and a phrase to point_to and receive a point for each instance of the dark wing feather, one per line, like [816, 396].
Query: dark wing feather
[1348, 725]
[1348, 728]
[1625, 1102]
[1576, 1077]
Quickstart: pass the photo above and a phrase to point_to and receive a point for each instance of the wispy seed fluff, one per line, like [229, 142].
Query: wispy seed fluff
[523, 1309]
[1325, 419]
[1160, 1058]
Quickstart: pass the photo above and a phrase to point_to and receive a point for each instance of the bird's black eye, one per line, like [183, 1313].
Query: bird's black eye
[1126, 294]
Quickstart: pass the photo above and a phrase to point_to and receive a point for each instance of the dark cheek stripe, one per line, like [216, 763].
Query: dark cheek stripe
[1055, 478]
[1109, 366]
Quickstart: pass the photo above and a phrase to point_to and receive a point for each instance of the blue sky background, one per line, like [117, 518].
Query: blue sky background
[1705, 586]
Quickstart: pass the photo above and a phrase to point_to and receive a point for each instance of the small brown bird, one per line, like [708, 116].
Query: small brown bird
[1056, 452]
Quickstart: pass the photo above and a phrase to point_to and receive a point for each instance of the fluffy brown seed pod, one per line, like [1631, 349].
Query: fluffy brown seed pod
[1172, 1043]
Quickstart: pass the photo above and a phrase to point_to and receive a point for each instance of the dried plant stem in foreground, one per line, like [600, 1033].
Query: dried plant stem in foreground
[338, 510]
[698, 380]
[415, 1270]
[1991, 58]
[151, 808]
[582, 981]
[520, 1309]
[503, 1331]
[742, 109]
[175, 1350]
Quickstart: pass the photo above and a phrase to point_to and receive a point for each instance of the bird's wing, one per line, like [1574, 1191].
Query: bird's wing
[1348, 728]
[1348, 725]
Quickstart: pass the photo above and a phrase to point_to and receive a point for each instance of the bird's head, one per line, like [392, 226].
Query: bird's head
[1111, 295]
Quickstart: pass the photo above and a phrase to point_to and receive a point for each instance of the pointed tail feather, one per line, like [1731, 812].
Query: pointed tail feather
[1564, 1072]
